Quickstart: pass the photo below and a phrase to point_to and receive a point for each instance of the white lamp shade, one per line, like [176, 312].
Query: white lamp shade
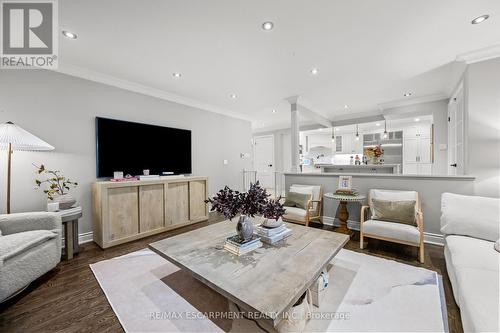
[20, 139]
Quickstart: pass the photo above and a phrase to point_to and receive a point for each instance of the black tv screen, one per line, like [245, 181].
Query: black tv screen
[133, 147]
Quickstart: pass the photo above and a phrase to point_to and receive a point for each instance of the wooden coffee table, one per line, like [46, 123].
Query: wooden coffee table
[268, 280]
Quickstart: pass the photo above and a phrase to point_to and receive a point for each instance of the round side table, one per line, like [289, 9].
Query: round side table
[344, 213]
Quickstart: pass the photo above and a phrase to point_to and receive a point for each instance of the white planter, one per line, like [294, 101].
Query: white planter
[65, 201]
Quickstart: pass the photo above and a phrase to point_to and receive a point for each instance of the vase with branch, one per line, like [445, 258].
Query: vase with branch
[56, 186]
[230, 203]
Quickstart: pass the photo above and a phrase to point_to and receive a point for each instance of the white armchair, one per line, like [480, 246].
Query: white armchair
[30, 246]
[391, 231]
[314, 205]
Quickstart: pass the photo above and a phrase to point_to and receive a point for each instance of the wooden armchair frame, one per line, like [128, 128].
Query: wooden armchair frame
[309, 208]
[420, 225]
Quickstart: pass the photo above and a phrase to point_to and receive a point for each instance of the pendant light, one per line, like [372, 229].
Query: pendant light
[357, 133]
[333, 134]
[385, 129]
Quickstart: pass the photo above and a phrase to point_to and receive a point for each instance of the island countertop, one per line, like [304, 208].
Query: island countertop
[361, 166]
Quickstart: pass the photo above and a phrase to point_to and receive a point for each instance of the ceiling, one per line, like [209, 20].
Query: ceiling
[367, 52]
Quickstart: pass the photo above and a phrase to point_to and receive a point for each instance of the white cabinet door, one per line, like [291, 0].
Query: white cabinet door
[339, 144]
[410, 150]
[410, 168]
[425, 169]
[358, 145]
[347, 143]
[425, 152]
[424, 131]
[410, 132]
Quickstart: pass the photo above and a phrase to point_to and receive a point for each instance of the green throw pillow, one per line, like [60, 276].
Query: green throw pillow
[294, 199]
[394, 211]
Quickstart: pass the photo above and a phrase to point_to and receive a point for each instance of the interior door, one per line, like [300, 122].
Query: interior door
[263, 160]
[456, 134]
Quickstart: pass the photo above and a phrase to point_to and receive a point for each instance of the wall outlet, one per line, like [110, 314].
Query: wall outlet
[226, 162]
[245, 155]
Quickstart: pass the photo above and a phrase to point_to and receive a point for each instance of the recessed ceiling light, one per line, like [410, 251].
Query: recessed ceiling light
[480, 19]
[378, 124]
[233, 96]
[346, 106]
[177, 75]
[314, 71]
[268, 25]
[69, 34]
[274, 111]
[407, 94]
[417, 119]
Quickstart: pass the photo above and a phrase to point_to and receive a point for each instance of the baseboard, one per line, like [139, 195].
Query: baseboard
[429, 238]
[84, 237]
[436, 239]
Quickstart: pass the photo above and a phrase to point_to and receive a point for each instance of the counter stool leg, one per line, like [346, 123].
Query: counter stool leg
[76, 247]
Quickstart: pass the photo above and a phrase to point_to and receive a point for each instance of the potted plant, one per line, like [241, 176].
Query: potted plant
[57, 188]
[272, 212]
[231, 203]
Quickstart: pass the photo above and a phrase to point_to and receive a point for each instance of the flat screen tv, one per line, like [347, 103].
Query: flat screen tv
[133, 147]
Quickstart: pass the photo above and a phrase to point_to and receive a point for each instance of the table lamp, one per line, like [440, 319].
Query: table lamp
[13, 137]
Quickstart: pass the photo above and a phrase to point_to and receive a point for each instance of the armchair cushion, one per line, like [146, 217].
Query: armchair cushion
[386, 229]
[471, 216]
[313, 190]
[394, 211]
[15, 244]
[391, 195]
[295, 213]
[19, 222]
[295, 199]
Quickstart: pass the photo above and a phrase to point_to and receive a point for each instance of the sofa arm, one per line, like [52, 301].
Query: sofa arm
[19, 222]
[362, 214]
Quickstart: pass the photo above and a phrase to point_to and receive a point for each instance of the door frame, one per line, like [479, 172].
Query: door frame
[459, 91]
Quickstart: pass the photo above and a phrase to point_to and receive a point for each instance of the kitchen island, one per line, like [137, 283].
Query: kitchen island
[363, 168]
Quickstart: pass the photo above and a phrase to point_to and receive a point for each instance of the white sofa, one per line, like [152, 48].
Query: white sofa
[471, 227]
[30, 246]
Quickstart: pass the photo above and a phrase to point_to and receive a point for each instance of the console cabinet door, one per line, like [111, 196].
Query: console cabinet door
[123, 212]
[197, 196]
[151, 209]
[177, 203]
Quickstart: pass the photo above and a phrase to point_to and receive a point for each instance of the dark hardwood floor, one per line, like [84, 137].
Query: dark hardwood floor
[69, 299]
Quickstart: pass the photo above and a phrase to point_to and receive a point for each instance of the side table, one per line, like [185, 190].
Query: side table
[344, 213]
[69, 218]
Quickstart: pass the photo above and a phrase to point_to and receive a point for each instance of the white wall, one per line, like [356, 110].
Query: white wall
[482, 93]
[61, 110]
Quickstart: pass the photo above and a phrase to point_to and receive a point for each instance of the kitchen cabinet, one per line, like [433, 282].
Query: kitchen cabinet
[417, 150]
[318, 140]
[347, 144]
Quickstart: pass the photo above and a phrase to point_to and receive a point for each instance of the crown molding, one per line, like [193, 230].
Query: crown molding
[412, 101]
[486, 53]
[109, 80]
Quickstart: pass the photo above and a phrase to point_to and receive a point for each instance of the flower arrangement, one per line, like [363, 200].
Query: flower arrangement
[254, 202]
[376, 151]
[57, 183]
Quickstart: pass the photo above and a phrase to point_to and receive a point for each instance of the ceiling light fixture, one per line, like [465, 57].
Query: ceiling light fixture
[417, 119]
[177, 75]
[314, 71]
[480, 19]
[357, 133]
[407, 94]
[268, 25]
[233, 96]
[69, 34]
[346, 106]
[274, 111]
[385, 129]
[377, 124]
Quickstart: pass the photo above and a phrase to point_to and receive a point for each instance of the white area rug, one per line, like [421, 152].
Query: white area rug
[366, 294]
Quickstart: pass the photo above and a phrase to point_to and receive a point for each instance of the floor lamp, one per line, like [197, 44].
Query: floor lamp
[13, 137]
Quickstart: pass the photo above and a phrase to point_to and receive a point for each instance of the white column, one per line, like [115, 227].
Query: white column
[295, 137]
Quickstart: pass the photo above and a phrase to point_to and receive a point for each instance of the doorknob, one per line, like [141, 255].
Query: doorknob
[454, 165]
[270, 165]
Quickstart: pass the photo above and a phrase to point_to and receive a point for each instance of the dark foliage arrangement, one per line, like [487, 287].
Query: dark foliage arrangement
[273, 209]
[231, 203]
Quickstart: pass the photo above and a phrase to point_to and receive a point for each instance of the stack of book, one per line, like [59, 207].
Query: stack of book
[236, 245]
[272, 235]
